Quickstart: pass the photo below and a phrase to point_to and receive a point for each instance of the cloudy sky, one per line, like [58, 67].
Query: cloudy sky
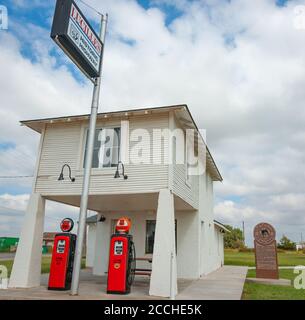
[239, 65]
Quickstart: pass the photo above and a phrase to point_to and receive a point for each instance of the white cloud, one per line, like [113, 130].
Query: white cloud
[13, 207]
[14, 202]
[289, 201]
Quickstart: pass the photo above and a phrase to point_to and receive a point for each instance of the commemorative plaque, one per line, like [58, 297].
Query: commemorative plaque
[265, 251]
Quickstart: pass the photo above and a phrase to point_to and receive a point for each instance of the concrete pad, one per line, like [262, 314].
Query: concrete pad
[278, 282]
[223, 284]
[226, 283]
[91, 288]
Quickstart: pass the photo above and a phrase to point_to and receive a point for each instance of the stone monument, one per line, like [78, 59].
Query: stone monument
[265, 251]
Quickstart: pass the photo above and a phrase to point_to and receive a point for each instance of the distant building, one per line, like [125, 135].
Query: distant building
[8, 244]
[48, 239]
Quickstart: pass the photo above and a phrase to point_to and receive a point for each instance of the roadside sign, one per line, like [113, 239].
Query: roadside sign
[73, 33]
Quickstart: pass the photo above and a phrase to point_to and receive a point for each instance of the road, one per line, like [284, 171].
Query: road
[6, 256]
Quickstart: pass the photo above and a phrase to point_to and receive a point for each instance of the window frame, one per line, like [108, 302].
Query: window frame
[85, 134]
[187, 176]
[155, 221]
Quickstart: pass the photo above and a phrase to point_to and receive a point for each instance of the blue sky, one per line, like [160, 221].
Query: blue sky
[238, 65]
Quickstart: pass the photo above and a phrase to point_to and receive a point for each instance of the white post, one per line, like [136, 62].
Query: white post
[102, 242]
[87, 170]
[163, 280]
[172, 292]
[26, 270]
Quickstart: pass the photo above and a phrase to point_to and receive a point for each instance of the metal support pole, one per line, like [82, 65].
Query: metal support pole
[244, 237]
[87, 170]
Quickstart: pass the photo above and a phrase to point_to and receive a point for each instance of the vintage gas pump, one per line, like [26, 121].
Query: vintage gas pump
[62, 257]
[122, 259]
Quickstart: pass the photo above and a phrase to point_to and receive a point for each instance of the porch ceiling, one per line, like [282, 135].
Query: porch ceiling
[121, 202]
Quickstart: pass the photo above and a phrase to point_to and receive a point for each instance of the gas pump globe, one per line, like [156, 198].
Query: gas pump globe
[122, 259]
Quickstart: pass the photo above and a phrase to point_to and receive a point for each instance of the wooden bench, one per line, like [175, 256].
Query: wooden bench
[141, 271]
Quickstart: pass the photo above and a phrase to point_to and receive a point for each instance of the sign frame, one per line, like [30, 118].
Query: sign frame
[63, 225]
[76, 37]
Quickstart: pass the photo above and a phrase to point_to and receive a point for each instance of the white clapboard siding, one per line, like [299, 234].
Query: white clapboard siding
[154, 149]
[189, 192]
[63, 144]
[60, 146]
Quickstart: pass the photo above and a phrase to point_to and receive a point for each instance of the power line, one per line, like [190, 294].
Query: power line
[15, 177]
[22, 213]
[6, 208]
[89, 6]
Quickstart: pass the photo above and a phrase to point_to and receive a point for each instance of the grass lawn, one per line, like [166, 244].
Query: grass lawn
[235, 258]
[45, 264]
[256, 291]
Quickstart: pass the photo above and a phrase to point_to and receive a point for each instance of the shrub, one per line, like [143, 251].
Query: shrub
[286, 244]
[246, 249]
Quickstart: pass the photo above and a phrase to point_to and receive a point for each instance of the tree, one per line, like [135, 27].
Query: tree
[286, 244]
[234, 238]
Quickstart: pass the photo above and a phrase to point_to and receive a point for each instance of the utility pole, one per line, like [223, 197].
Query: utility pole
[244, 238]
[88, 167]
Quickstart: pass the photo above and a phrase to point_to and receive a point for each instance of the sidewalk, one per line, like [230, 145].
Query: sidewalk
[226, 283]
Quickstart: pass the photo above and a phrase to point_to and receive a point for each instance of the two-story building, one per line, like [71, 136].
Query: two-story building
[168, 194]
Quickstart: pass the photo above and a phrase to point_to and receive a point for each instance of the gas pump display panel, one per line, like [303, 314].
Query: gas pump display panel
[118, 248]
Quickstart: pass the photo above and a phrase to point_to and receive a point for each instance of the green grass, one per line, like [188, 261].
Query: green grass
[8, 264]
[256, 291]
[235, 258]
[45, 265]
[284, 274]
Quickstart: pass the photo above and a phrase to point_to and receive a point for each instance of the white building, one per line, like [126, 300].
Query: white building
[170, 203]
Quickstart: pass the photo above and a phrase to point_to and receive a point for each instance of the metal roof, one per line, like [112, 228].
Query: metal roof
[92, 219]
[38, 125]
[222, 226]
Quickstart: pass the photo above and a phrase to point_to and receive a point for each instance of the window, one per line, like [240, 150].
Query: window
[150, 236]
[187, 161]
[191, 152]
[106, 151]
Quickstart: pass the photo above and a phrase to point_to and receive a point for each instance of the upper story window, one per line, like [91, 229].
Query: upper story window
[106, 151]
[187, 160]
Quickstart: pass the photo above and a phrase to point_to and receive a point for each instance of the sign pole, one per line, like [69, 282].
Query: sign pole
[88, 166]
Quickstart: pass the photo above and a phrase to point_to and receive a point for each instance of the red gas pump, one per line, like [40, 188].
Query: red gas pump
[62, 257]
[122, 259]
